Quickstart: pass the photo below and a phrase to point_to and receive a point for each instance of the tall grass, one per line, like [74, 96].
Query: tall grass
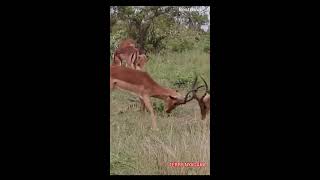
[183, 136]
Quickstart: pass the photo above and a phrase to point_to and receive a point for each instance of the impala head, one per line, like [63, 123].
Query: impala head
[176, 99]
[204, 100]
[173, 100]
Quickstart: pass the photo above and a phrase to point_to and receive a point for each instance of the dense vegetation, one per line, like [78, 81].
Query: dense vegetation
[161, 28]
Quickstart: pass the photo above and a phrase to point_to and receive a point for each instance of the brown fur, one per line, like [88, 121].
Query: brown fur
[203, 101]
[130, 43]
[204, 104]
[127, 43]
[141, 84]
[140, 62]
[135, 57]
[128, 54]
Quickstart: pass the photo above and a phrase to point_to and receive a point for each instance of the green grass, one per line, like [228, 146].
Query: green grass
[183, 136]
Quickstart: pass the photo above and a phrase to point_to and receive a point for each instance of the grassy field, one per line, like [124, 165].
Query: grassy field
[183, 136]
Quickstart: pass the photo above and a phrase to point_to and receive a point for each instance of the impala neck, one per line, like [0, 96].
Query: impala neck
[161, 92]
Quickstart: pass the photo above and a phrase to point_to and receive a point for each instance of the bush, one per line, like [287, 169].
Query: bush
[183, 40]
[183, 80]
[158, 106]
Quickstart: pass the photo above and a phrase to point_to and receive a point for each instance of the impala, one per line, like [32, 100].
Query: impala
[135, 58]
[131, 56]
[141, 84]
[127, 54]
[203, 101]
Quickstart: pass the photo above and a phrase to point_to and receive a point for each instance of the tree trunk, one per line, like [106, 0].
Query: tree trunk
[143, 31]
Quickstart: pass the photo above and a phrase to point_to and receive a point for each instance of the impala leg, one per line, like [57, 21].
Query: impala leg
[132, 64]
[206, 105]
[112, 84]
[203, 109]
[148, 105]
[117, 60]
[133, 60]
[143, 106]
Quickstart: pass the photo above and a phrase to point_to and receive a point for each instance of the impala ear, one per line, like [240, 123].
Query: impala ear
[172, 97]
